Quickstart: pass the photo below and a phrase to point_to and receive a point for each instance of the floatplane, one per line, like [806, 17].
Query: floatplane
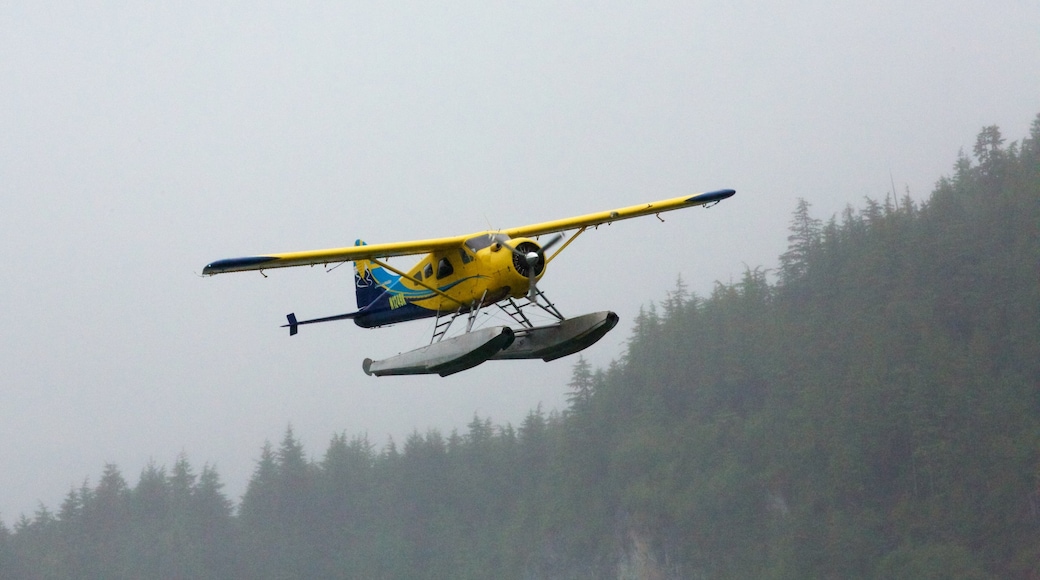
[458, 277]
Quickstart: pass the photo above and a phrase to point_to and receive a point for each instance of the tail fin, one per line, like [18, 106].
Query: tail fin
[371, 281]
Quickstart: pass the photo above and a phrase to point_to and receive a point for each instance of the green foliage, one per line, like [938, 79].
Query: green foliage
[875, 413]
[803, 243]
[167, 526]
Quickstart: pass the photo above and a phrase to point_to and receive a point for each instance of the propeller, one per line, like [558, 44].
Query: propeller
[529, 256]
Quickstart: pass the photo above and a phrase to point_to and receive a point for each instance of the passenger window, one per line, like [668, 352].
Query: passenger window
[428, 271]
[444, 268]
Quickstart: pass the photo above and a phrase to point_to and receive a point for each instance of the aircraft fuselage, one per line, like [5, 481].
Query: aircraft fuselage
[481, 272]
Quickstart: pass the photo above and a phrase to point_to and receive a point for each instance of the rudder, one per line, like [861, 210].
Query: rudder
[371, 282]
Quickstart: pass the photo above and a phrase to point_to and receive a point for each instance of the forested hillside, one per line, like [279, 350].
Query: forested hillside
[870, 409]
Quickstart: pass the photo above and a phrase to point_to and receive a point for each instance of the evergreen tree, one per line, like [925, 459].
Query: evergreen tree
[8, 565]
[988, 149]
[803, 241]
[581, 386]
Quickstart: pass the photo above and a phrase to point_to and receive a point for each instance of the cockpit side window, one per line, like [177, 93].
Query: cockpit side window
[466, 258]
[444, 268]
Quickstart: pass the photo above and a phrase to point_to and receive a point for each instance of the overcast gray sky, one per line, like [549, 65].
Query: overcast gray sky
[139, 142]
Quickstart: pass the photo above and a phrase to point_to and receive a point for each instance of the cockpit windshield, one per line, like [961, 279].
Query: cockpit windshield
[482, 241]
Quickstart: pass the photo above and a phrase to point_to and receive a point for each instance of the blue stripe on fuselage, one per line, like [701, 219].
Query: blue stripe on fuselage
[379, 312]
[383, 315]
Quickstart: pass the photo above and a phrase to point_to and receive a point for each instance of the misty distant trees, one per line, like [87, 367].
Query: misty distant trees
[873, 413]
[175, 524]
[804, 241]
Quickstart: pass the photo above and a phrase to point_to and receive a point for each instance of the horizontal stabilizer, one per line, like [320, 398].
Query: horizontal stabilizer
[294, 324]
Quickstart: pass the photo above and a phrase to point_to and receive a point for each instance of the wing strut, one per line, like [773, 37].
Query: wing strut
[565, 244]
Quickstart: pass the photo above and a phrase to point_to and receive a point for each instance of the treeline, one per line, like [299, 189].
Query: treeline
[477, 505]
[870, 409]
[175, 524]
[873, 413]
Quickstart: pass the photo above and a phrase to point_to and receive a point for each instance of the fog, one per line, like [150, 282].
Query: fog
[140, 142]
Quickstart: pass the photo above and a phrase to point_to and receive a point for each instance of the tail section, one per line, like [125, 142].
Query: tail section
[372, 284]
[380, 299]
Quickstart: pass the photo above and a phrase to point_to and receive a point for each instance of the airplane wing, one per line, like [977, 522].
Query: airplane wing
[606, 217]
[363, 252]
[331, 256]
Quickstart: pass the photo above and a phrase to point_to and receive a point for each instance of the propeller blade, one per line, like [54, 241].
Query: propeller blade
[510, 247]
[532, 289]
[532, 292]
[548, 245]
[531, 258]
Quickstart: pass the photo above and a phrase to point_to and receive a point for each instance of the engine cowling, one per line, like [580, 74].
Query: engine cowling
[521, 262]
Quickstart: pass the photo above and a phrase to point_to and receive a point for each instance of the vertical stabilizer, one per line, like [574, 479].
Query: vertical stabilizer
[371, 283]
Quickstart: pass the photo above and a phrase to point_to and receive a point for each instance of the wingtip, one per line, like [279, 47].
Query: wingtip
[236, 265]
[712, 196]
